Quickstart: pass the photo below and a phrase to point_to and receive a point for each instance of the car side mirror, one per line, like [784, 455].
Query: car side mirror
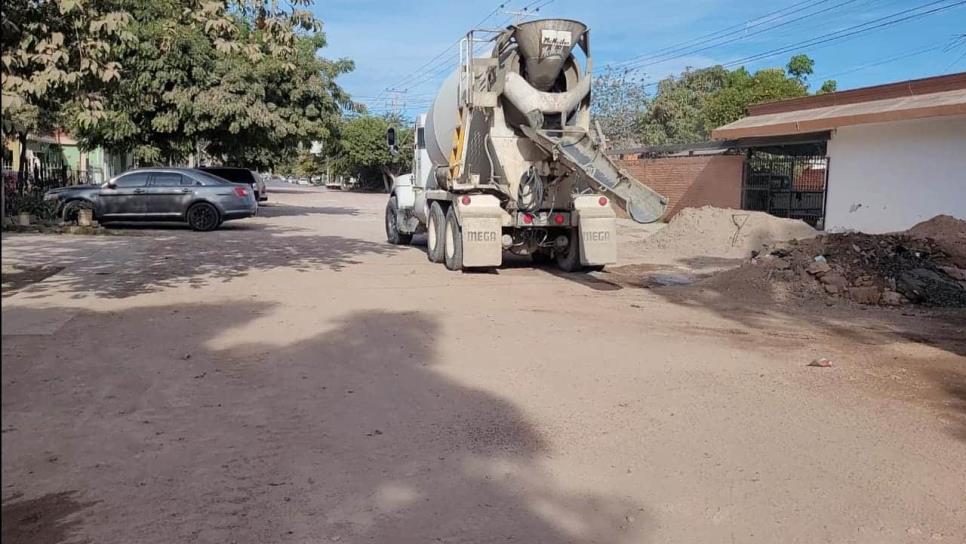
[110, 185]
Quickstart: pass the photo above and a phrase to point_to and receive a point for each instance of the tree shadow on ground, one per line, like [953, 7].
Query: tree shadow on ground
[347, 435]
[15, 278]
[121, 267]
[50, 519]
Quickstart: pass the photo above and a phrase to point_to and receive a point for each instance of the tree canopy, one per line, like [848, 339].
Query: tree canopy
[684, 109]
[163, 78]
[361, 149]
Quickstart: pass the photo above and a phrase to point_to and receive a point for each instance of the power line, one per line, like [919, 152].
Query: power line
[744, 26]
[882, 22]
[880, 62]
[738, 36]
[413, 75]
[438, 67]
[844, 34]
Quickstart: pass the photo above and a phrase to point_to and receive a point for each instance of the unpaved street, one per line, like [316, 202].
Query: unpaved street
[294, 378]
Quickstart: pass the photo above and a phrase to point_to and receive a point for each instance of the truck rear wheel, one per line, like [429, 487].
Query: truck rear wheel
[568, 259]
[453, 242]
[392, 225]
[435, 227]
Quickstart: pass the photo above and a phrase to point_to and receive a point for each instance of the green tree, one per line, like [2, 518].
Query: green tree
[246, 85]
[830, 86]
[676, 114]
[743, 89]
[362, 151]
[58, 58]
[686, 108]
[800, 67]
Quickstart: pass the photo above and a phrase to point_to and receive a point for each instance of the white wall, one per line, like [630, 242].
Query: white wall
[889, 176]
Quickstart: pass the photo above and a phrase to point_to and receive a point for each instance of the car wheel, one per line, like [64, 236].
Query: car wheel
[71, 210]
[392, 225]
[203, 217]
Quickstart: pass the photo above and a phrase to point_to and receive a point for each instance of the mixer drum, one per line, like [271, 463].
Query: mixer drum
[441, 121]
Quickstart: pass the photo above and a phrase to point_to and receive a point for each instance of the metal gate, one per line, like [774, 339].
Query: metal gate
[789, 186]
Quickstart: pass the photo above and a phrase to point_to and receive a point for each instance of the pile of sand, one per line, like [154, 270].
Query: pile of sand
[710, 232]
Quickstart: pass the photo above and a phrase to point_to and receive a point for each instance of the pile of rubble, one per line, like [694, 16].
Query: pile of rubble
[887, 269]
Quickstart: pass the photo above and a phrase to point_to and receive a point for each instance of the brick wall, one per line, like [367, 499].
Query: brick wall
[690, 181]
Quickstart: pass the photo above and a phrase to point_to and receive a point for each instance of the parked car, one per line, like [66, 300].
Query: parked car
[202, 200]
[240, 175]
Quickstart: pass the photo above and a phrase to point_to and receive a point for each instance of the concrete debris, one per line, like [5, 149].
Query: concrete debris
[865, 295]
[881, 269]
[835, 279]
[892, 298]
[821, 362]
[818, 267]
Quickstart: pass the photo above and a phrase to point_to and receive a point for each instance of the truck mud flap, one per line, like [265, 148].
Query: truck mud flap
[481, 223]
[597, 227]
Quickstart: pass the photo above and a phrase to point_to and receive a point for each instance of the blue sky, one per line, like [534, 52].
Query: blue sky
[390, 41]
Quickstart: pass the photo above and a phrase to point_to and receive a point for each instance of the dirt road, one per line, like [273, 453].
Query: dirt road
[293, 378]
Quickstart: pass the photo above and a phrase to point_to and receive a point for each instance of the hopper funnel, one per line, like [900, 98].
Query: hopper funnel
[544, 46]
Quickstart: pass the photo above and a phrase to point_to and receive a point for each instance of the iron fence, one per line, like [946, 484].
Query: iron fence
[787, 186]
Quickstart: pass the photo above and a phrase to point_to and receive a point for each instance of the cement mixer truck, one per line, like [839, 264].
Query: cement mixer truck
[506, 159]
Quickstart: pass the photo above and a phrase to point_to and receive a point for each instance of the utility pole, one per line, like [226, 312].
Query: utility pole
[395, 95]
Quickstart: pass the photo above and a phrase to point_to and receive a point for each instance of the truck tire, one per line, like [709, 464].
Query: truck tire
[541, 257]
[568, 259]
[453, 242]
[392, 225]
[435, 228]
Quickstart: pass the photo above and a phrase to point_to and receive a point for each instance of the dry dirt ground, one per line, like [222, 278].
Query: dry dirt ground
[293, 378]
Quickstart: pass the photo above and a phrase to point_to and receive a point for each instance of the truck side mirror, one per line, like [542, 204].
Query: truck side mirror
[391, 140]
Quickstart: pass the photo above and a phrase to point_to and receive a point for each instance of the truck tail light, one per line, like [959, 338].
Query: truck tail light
[603, 201]
[558, 219]
[241, 191]
[527, 218]
[466, 200]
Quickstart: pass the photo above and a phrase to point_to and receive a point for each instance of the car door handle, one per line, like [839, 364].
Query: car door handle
[185, 191]
[138, 191]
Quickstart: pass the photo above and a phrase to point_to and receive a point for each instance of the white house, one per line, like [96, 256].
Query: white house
[896, 153]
